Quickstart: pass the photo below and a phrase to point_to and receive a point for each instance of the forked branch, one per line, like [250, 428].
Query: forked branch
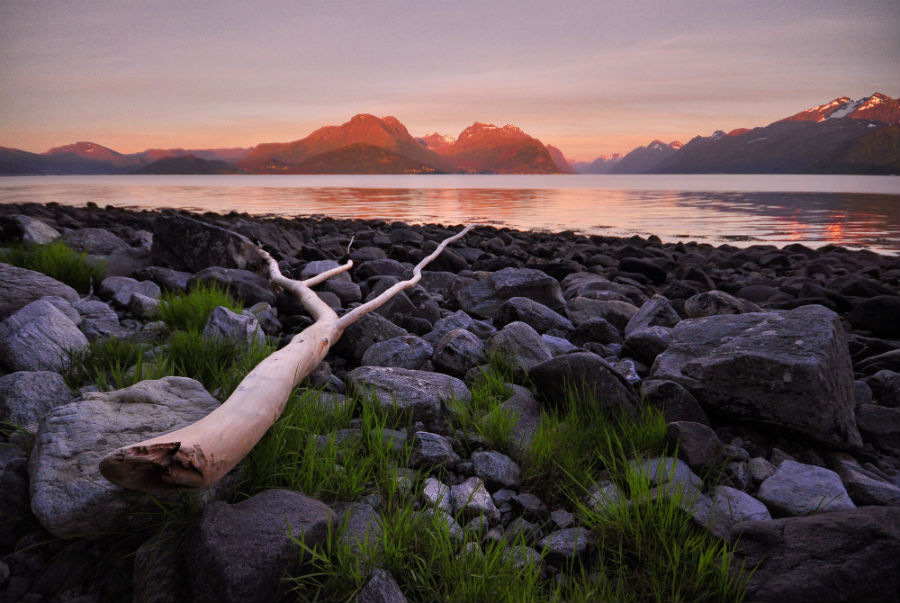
[200, 454]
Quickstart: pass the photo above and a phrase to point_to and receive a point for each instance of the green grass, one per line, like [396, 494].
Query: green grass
[190, 311]
[57, 260]
[483, 414]
[111, 364]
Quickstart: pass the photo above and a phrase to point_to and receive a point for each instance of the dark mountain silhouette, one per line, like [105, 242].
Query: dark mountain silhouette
[360, 159]
[601, 165]
[645, 159]
[186, 164]
[559, 160]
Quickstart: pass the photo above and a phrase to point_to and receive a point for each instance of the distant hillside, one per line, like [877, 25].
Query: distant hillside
[485, 148]
[186, 164]
[359, 159]
[645, 159]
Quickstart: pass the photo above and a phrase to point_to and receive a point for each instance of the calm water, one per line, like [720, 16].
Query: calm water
[856, 211]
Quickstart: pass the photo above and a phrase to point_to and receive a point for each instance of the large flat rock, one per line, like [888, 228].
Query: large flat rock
[790, 370]
[68, 494]
[22, 286]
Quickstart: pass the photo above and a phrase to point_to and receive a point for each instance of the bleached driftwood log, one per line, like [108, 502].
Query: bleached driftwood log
[201, 453]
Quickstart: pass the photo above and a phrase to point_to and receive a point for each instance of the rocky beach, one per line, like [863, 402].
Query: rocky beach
[776, 372]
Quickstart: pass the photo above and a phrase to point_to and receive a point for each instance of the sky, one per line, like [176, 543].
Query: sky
[590, 77]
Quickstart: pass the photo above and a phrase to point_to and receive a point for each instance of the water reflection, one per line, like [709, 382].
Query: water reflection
[737, 217]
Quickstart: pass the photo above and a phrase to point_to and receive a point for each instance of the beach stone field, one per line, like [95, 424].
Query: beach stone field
[780, 365]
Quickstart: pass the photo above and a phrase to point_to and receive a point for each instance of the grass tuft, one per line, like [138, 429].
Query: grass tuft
[190, 311]
[57, 260]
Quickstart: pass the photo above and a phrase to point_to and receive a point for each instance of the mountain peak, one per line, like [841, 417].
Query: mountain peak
[84, 148]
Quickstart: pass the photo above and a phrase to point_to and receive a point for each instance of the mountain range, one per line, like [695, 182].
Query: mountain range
[842, 136]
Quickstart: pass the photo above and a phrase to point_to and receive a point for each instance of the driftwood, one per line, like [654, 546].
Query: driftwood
[200, 454]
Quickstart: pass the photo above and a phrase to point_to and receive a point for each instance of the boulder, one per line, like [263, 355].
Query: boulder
[184, 243]
[865, 487]
[525, 411]
[22, 286]
[541, 318]
[407, 351]
[885, 387]
[790, 370]
[98, 320]
[245, 286]
[420, 392]
[380, 588]
[437, 495]
[587, 373]
[228, 326]
[564, 546]
[28, 230]
[166, 278]
[26, 396]
[119, 289]
[677, 403]
[843, 556]
[472, 499]
[240, 552]
[520, 345]
[68, 494]
[364, 333]
[618, 313]
[596, 330]
[360, 529]
[485, 297]
[431, 450]
[879, 426]
[459, 320]
[95, 241]
[653, 272]
[647, 344]
[667, 473]
[317, 267]
[698, 445]
[160, 571]
[39, 337]
[798, 489]
[458, 351]
[729, 507]
[711, 303]
[496, 469]
[879, 315]
[656, 311]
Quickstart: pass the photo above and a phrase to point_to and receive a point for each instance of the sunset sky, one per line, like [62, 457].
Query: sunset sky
[590, 77]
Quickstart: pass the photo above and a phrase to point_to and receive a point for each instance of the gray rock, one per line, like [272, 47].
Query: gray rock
[526, 413]
[672, 474]
[628, 370]
[166, 278]
[22, 286]
[647, 344]
[729, 507]
[885, 386]
[360, 529]
[431, 450]
[407, 351]
[520, 530]
[186, 243]
[790, 369]
[538, 316]
[437, 495]
[459, 320]
[523, 557]
[865, 487]
[65, 307]
[485, 297]
[142, 306]
[366, 332]
[68, 494]
[842, 556]
[26, 229]
[267, 317]
[472, 499]
[39, 337]
[96, 241]
[677, 403]
[798, 489]
[381, 588]
[562, 518]
[618, 313]
[247, 287]
[879, 425]
[698, 445]
[496, 469]
[25, 397]
[419, 392]
[520, 344]
[458, 351]
[160, 573]
[563, 546]
[559, 346]
[596, 330]
[711, 303]
[530, 506]
[656, 311]
[317, 267]
[240, 552]
[759, 470]
[119, 289]
[226, 325]
[98, 320]
[605, 495]
[588, 373]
